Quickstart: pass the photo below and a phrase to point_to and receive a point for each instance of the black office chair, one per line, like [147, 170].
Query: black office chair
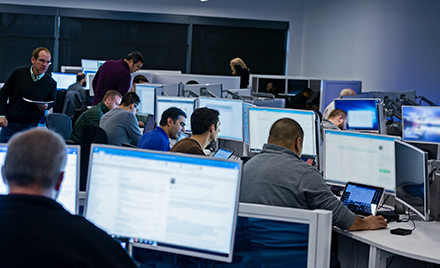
[60, 123]
[90, 134]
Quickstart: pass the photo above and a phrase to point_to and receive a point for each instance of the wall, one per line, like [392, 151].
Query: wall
[389, 45]
[277, 10]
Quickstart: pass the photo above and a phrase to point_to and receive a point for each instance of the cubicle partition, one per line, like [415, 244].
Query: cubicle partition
[330, 90]
[228, 82]
[315, 227]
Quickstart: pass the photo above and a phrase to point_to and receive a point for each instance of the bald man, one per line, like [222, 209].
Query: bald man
[331, 106]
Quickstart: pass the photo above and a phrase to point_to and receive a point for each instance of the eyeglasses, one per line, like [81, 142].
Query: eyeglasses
[44, 61]
[135, 105]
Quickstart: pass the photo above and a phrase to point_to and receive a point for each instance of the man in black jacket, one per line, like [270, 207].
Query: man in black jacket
[30, 92]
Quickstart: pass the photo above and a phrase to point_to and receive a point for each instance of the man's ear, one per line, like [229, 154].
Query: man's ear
[170, 121]
[212, 128]
[59, 181]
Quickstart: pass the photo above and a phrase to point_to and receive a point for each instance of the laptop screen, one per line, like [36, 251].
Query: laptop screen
[223, 153]
[362, 199]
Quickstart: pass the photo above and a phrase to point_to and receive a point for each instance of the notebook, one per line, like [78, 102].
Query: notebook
[362, 199]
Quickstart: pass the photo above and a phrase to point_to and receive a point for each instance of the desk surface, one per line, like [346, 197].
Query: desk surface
[423, 244]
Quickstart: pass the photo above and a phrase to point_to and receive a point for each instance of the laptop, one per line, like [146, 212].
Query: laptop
[362, 199]
[223, 153]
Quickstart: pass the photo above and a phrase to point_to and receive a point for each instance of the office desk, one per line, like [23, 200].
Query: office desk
[423, 244]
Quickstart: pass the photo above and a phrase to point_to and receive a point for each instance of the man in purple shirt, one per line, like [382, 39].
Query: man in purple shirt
[116, 75]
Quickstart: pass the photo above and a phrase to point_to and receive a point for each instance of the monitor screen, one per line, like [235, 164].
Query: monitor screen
[169, 202]
[246, 121]
[185, 104]
[412, 178]
[231, 119]
[147, 94]
[91, 64]
[262, 119]
[360, 158]
[64, 80]
[363, 114]
[280, 85]
[70, 185]
[421, 123]
[295, 86]
[90, 74]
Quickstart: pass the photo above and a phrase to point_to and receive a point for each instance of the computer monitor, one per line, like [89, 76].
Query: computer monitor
[295, 86]
[205, 90]
[91, 64]
[421, 124]
[147, 94]
[412, 178]
[68, 196]
[363, 114]
[280, 85]
[261, 120]
[90, 74]
[359, 157]
[176, 203]
[246, 107]
[231, 120]
[185, 104]
[64, 80]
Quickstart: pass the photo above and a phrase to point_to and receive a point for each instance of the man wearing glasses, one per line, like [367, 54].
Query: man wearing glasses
[172, 123]
[121, 124]
[30, 92]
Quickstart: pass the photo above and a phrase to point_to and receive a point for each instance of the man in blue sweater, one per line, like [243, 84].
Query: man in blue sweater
[29, 91]
[172, 123]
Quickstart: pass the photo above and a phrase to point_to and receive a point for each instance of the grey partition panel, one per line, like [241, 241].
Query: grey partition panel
[319, 221]
[228, 82]
[330, 90]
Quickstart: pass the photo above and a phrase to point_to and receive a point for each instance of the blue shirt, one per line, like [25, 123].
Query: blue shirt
[157, 139]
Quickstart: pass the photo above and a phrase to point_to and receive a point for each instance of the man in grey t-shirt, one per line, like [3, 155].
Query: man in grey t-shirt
[278, 177]
[121, 124]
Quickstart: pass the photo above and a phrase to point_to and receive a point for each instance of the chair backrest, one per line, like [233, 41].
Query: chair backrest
[90, 134]
[72, 101]
[59, 102]
[315, 226]
[60, 123]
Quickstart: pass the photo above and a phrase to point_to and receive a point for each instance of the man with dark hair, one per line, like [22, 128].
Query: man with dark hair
[278, 177]
[19, 106]
[337, 120]
[172, 124]
[138, 79]
[92, 116]
[299, 100]
[121, 124]
[79, 88]
[205, 126]
[116, 75]
[35, 230]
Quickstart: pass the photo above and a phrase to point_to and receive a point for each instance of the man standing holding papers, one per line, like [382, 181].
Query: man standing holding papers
[30, 91]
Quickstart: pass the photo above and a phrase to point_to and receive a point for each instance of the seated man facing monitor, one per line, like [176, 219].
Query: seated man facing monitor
[35, 230]
[121, 124]
[337, 120]
[172, 123]
[92, 116]
[278, 177]
[205, 126]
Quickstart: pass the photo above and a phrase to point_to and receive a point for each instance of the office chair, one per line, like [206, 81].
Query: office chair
[90, 134]
[60, 123]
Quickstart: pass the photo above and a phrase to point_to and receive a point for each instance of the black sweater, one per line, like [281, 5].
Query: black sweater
[19, 85]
